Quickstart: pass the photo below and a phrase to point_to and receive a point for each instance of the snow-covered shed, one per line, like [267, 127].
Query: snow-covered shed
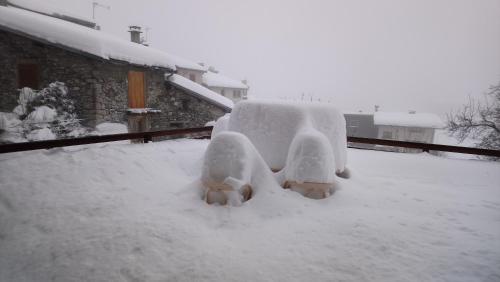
[409, 126]
[402, 126]
[233, 89]
[108, 77]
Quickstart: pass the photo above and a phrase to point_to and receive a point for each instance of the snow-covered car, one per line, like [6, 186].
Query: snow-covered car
[305, 143]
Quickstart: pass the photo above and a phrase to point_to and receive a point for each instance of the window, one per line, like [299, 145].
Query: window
[387, 135]
[136, 89]
[28, 75]
[222, 92]
[192, 77]
[237, 94]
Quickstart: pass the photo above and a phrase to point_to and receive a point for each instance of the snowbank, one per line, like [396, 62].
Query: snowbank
[201, 91]
[408, 119]
[131, 213]
[272, 125]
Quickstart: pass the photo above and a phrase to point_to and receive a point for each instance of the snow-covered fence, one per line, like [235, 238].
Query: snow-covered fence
[425, 146]
[205, 132]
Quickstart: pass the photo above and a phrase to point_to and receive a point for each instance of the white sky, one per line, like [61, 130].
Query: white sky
[425, 55]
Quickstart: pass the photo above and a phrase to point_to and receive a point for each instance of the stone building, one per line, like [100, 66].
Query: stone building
[110, 79]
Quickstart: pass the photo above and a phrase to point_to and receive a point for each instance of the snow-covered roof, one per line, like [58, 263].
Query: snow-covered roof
[212, 79]
[427, 120]
[186, 64]
[201, 91]
[48, 7]
[84, 39]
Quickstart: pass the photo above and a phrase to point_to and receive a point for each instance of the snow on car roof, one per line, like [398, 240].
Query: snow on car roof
[213, 79]
[198, 89]
[408, 119]
[87, 40]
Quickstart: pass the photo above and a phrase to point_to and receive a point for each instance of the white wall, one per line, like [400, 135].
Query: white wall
[230, 93]
[401, 133]
[187, 73]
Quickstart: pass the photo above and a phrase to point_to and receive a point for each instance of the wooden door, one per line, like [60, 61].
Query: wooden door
[136, 89]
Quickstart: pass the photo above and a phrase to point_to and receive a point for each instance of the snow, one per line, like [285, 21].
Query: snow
[41, 134]
[220, 125]
[272, 125]
[84, 39]
[107, 128]
[427, 120]
[310, 158]
[42, 114]
[212, 79]
[232, 159]
[133, 213]
[204, 92]
[47, 7]
[143, 110]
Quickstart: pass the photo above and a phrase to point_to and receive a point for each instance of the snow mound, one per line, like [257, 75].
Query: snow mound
[220, 125]
[231, 159]
[42, 114]
[272, 125]
[310, 159]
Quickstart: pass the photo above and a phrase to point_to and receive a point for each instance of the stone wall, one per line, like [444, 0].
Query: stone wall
[99, 87]
[181, 110]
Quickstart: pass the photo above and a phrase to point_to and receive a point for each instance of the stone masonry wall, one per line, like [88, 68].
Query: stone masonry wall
[98, 87]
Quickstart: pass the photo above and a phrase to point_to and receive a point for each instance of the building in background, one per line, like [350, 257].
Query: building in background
[110, 79]
[410, 126]
[360, 125]
[233, 89]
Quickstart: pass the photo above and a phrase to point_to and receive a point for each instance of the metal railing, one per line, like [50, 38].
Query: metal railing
[144, 136]
[205, 132]
[425, 146]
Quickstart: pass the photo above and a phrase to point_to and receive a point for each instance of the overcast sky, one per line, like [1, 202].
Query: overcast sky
[424, 55]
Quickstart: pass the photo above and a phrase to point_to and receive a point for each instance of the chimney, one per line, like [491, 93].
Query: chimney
[244, 81]
[135, 33]
[377, 107]
[412, 112]
[201, 64]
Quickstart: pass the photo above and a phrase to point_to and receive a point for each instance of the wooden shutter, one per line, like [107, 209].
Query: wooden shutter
[27, 76]
[136, 89]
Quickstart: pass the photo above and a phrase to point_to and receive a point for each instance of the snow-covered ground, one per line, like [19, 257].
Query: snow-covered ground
[131, 212]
